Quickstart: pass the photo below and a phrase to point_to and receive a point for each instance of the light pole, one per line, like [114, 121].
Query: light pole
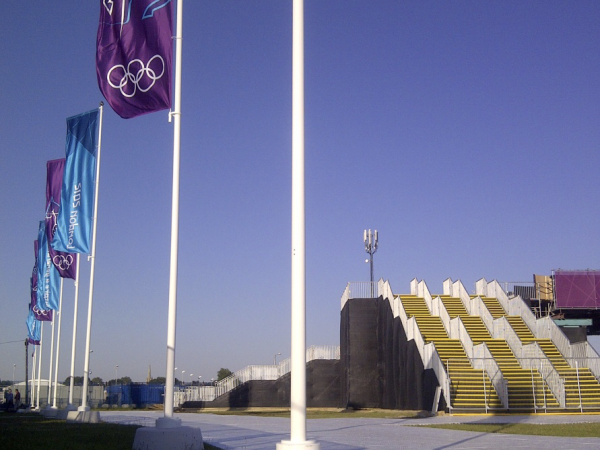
[116, 373]
[371, 243]
[14, 367]
[199, 376]
[275, 358]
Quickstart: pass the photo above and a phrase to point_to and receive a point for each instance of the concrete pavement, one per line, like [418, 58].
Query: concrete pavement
[258, 433]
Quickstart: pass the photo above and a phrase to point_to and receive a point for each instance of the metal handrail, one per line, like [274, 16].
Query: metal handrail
[273, 372]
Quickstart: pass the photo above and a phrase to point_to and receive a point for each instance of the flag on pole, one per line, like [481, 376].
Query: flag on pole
[48, 277]
[134, 55]
[33, 329]
[64, 262]
[74, 222]
[39, 314]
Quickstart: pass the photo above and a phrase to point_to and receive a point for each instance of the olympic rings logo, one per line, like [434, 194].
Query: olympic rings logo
[63, 262]
[41, 312]
[135, 73]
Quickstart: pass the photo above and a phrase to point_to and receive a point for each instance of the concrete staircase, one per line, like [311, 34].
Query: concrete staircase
[471, 389]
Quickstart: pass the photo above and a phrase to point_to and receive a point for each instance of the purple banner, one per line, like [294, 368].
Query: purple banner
[64, 262]
[577, 289]
[134, 55]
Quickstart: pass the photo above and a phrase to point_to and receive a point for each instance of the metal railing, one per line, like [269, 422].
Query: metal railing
[252, 373]
[360, 289]
[483, 359]
[533, 357]
[586, 356]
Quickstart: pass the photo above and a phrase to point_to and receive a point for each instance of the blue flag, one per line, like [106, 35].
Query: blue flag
[48, 276]
[74, 222]
[33, 329]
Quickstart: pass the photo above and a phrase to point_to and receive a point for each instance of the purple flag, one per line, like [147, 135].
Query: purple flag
[39, 314]
[64, 262]
[134, 55]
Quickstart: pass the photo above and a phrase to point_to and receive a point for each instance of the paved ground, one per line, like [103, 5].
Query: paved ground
[258, 433]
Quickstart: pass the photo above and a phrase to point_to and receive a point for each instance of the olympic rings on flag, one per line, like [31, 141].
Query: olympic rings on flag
[62, 262]
[130, 77]
[41, 312]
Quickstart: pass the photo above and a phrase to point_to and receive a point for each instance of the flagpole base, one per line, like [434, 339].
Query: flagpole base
[173, 438]
[168, 422]
[50, 411]
[301, 445]
[83, 416]
[64, 413]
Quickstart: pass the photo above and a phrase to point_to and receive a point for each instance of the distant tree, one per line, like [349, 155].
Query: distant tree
[96, 381]
[77, 381]
[125, 380]
[158, 380]
[223, 373]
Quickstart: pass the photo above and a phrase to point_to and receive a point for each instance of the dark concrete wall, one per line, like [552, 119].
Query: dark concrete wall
[322, 390]
[380, 368]
[359, 348]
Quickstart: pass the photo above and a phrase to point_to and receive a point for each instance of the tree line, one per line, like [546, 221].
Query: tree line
[97, 381]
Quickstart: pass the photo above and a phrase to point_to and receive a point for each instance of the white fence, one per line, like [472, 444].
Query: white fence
[251, 373]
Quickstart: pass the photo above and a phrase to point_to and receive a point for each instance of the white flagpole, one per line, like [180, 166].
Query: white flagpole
[33, 377]
[298, 372]
[86, 367]
[58, 343]
[51, 358]
[70, 406]
[168, 421]
[40, 366]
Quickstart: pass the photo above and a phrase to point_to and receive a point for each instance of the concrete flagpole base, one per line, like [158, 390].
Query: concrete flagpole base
[302, 445]
[50, 411]
[83, 416]
[173, 438]
[63, 413]
[168, 422]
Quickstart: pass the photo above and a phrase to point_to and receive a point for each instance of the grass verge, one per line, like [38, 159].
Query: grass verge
[324, 413]
[35, 432]
[528, 429]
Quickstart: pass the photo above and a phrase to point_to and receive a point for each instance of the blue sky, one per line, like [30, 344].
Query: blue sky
[466, 132]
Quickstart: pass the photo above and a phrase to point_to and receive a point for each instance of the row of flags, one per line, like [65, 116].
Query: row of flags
[66, 228]
[134, 65]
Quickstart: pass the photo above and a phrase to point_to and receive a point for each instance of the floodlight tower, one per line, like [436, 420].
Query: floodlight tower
[371, 243]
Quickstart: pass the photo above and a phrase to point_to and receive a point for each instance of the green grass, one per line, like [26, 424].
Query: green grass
[315, 413]
[35, 432]
[528, 429]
